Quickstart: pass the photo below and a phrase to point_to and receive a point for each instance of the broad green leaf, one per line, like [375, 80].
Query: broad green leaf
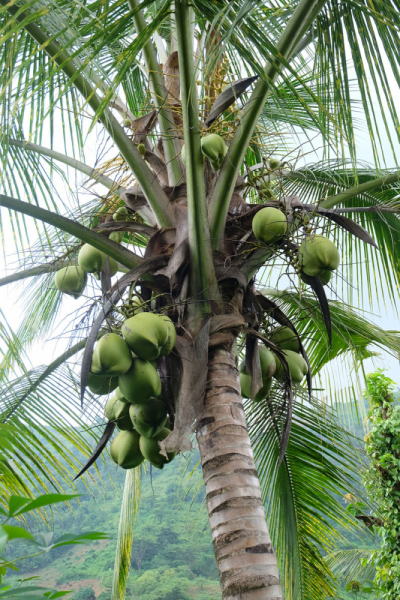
[69, 539]
[15, 503]
[15, 531]
[41, 501]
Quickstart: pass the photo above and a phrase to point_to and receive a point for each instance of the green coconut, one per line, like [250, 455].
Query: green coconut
[267, 362]
[140, 383]
[117, 236]
[214, 148]
[118, 411]
[297, 367]
[245, 387]
[269, 225]
[170, 342]
[120, 396]
[121, 214]
[318, 254]
[285, 339]
[125, 450]
[148, 419]
[274, 163]
[111, 356]
[91, 260]
[71, 281]
[113, 268]
[146, 333]
[325, 277]
[151, 450]
[101, 385]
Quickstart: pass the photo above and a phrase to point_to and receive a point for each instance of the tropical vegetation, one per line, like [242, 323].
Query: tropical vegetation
[213, 259]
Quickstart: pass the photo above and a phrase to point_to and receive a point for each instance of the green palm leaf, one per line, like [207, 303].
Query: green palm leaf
[304, 491]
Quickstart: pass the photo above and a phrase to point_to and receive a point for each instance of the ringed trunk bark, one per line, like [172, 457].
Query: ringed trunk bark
[245, 557]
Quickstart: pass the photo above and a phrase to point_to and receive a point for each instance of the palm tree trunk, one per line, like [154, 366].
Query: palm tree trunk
[245, 557]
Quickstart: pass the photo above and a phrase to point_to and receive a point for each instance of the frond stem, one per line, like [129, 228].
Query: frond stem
[203, 278]
[300, 22]
[380, 182]
[119, 253]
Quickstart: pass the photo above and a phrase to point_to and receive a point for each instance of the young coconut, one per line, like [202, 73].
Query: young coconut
[151, 450]
[125, 450]
[140, 383]
[120, 396]
[71, 280]
[274, 163]
[111, 356]
[126, 122]
[325, 277]
[214, 148]
[121, 214]
[170, 342]
[113, 268]
[245, 387]
[285, 339]
[117, 236]
[101, 385]
[91, 260]
[318, 254]
[297, 367]
[118, 411]
[267, 362]
[147, 334]
[149, 419]
[269, 225]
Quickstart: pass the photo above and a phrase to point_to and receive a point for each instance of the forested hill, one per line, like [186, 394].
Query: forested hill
[172, 556]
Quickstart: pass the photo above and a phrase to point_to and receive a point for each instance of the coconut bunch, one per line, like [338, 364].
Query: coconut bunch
[126, 363]
[287, 341]
[72, 280]
[317, 255]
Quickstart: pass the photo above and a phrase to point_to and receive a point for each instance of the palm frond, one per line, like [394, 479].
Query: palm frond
[363, 263]
[50, 439]
[129, 509]
[304, 491]
[352, 564]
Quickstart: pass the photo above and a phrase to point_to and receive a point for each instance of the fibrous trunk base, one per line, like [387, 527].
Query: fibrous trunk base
[245, 557]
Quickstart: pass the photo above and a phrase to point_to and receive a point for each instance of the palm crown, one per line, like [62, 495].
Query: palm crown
[202, 103]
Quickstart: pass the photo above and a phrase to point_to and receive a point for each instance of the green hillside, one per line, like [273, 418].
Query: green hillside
[172, 555]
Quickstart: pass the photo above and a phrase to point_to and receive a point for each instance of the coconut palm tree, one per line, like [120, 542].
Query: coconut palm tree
[201, 115]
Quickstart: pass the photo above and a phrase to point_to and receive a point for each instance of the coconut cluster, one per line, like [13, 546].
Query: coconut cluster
[271, 366]
[127, 363]
[317, 256]
[72, 280]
